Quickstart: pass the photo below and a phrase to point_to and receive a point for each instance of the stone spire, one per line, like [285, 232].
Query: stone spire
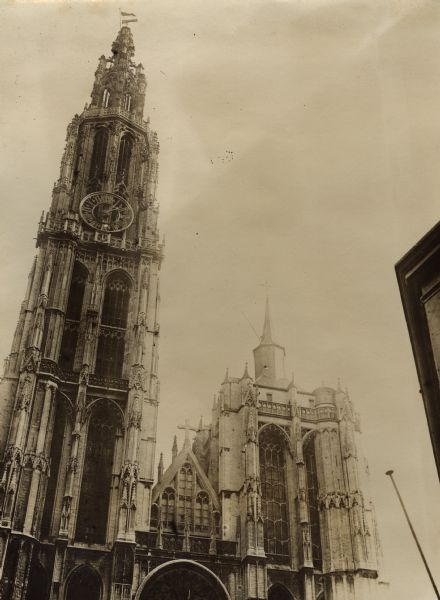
[246, 372]
[174, 449]
[268, 355]
[120, 84]
[266, 338]
[123, 46]
[160, 468]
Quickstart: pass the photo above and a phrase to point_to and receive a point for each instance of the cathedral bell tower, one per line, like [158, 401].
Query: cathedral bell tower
[80, 391]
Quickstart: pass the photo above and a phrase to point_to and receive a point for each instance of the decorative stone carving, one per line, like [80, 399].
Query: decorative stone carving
[72, 465]
[65, 513]
[31, 360]
[251, 394]
[25, 393]
[84, 375]
[37, 462]
[252, 425]
[306, 543]
[137, 378]
[135, 419]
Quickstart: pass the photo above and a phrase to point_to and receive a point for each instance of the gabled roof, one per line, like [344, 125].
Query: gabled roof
[186, 455]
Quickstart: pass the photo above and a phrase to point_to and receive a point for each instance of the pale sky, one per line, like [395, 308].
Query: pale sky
[300, 144]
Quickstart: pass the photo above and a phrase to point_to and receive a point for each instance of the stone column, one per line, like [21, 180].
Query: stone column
[254, 527]
[33, 296]
[306, 560]
[40, 462]
[18, 335]
[137, 390]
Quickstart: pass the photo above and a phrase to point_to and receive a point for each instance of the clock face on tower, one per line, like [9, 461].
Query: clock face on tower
[106, 212]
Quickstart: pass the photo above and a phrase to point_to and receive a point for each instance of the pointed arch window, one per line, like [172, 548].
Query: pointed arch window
[274, 491]
[125, 150]
[312, 498]
[99, 153]
[105, 98]
[184, 495]
[73, 317]
[104, 426]
[201, 513]
[167, 508]
[111, 341]
[127, 102]
[154, 516]
[59, 438]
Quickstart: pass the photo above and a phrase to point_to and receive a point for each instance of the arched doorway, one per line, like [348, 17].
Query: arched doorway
[180, 580]
[279, 592]
[84, 584]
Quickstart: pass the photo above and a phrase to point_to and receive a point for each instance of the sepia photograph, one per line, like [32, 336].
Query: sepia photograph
[220, 300]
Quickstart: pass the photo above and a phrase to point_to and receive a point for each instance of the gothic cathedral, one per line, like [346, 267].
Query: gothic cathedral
[269, 502]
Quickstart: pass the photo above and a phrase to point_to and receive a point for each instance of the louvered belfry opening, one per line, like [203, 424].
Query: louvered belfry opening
[73, 317]
[112, 331]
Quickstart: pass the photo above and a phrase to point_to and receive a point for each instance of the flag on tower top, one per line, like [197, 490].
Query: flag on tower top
[127, 14]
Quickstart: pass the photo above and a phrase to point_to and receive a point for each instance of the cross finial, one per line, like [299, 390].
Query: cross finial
[187, 427]
[266, 338]
[266, 286]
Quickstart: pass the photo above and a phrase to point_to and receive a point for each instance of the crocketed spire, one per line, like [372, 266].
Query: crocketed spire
[268, 355]
[120, 84]
[266, 338]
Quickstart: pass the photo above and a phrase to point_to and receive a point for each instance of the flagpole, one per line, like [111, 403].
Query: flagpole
[126, 17]
[390, 475]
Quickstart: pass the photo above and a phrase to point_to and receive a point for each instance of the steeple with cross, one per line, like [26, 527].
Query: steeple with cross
[268, 355]
[187, 427]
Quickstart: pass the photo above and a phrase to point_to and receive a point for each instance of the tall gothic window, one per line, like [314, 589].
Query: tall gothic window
[78, 156]
[105, 98]
[184, 495]
[167, 508]
[274, 491]
[127, 102]
[59, 426]
[94, 497]
[201, 513]
[97, 164]
[154, 516]
[111, 342]
[73, 317]
[312, 495]
[125, 149]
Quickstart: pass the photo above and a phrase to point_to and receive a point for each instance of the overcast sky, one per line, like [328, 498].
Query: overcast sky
[300, 145]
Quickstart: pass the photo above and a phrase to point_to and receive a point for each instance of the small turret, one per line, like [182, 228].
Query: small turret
[324, 396]
[246, 372]
[160, 469]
